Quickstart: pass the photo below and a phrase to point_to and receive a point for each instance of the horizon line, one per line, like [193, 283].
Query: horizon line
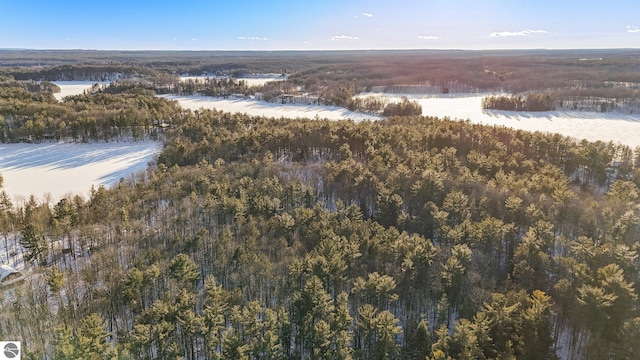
[323, 50]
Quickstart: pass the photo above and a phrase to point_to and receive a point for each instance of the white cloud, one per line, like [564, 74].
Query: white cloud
[367, 15]
[633, 29]
[517, 33]
[344, 37]
[427, 37]
[253, 38]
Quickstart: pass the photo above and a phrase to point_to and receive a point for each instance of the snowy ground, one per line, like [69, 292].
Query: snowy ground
[263, 108]
[69, 88]
[62, 168]
[592, 126]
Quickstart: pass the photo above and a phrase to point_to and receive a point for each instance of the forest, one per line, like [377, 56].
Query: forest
[30, 113]
[261, 238]
[599, 73]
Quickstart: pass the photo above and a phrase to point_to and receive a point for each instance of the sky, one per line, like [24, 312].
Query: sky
[319, 25]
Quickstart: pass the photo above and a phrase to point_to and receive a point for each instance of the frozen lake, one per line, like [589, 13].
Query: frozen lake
[70, 88]
[61, 168]
[592, 126]
[263, 108]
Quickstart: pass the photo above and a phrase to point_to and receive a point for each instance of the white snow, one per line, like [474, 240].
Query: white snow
[69, 88]
[592, 126]
[62, 168]
[263, 108]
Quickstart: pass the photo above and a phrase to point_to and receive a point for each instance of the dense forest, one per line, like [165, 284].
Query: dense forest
[30, 113]
[259, 238]
[621, 98]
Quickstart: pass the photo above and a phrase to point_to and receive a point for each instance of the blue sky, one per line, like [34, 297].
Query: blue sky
[319, 25]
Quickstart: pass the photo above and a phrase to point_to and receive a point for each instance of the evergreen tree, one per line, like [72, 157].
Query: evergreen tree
[32, 239]
[184, 269]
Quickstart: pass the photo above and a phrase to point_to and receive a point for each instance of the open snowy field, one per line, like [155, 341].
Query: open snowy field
[591, 126]
[69, 88]
[61, 168]
[263, 108]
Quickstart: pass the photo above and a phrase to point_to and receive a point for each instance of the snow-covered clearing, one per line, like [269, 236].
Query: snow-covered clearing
[70, 88]
[263, 108]
[592, 126]
[62, 168]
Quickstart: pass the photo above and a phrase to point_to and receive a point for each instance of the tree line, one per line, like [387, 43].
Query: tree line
[531, 102]
[566, 99]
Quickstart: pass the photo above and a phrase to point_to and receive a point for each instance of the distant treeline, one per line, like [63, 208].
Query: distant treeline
[511, 71]
[531, 102]
[572, 80]
[83, 72]
[595, 100]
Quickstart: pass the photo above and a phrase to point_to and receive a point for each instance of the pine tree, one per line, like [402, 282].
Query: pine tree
[419, 341]
[33, 241]
[92, 338]
[216, 304]
[184, 269]
[55, 280]
[63, 343]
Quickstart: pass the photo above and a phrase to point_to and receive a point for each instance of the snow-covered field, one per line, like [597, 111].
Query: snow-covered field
[61, 168]
[593, 126]
[69, 88]
[263, 108]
